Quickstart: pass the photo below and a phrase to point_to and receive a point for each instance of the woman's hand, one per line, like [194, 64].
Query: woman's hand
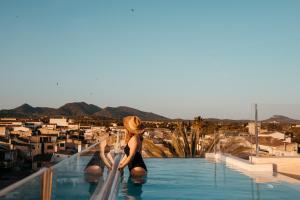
[121, 167]
[109, 167]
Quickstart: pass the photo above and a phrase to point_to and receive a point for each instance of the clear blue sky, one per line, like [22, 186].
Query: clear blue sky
[175, 58]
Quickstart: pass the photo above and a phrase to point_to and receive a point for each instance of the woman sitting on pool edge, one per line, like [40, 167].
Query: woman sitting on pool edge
[133, 157]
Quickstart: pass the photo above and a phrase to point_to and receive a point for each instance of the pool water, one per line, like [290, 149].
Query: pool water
[201, 179]
[69, 182]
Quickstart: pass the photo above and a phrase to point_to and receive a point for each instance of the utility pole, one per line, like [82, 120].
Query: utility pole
[256, 130]
[215, 142]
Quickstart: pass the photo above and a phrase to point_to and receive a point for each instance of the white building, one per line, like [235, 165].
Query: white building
[46, 131]
[21, 131]
[277, 135]
[73, 127]
[62, 122]
[251, 127]
[49, 126]
[3, 131]
[21, 128]
[9, 122]
[94, 132]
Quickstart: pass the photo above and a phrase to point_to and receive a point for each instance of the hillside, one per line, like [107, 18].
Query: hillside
[281, 119]
[79, 109]
[123, 111]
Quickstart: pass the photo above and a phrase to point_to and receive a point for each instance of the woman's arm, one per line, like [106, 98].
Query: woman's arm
[110, 158]
[133, 144]
[102, 154]
[123, 159]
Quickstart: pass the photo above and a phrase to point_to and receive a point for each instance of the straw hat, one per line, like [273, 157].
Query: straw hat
[133, 124]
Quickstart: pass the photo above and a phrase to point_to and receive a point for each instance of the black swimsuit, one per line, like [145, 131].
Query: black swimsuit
[96, 160]
[137, 160]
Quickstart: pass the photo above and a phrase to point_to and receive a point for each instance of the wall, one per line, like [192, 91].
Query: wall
[241, 163]
[288, 165]
[2, 131]
[59, 122]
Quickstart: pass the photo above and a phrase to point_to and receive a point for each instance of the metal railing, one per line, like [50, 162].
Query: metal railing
[111, 186]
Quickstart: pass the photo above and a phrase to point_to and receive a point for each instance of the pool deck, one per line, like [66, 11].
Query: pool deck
[241, 163]
[261, 172]
[285, 165]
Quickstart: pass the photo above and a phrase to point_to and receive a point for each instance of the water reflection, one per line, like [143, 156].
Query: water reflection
[102, 157]
[133, 188]
[254, 185]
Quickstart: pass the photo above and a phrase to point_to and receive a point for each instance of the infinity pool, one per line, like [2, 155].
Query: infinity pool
[201, 179]
[167, 179]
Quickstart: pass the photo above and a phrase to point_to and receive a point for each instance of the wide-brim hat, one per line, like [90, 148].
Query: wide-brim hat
[133, 124]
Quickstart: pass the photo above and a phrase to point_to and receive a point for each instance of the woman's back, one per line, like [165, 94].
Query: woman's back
[137, 160]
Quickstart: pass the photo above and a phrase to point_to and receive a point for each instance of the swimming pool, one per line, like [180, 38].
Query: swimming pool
[201, 179]
[167, 179]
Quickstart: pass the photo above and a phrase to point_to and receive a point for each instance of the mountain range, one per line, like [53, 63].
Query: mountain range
[281, 119]
[77, 109]
[275, 118]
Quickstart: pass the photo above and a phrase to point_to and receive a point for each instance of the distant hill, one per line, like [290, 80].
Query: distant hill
[216, 120]
[26, 110]
[123, 111]
[79, 109]
[281, 119]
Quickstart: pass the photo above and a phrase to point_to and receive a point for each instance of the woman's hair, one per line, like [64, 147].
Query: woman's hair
[128, 135]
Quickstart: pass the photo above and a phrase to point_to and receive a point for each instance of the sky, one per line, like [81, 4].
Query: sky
[176, 58]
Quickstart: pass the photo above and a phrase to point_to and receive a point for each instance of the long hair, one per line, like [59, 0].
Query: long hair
[128, 135]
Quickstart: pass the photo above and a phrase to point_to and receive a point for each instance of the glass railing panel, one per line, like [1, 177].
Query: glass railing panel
[28, 188]
[72, 178]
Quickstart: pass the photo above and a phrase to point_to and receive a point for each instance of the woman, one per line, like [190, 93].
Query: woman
[99, 160]
[133, 157]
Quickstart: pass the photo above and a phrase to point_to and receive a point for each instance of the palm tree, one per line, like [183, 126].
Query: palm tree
[184, 142]
[197, 131]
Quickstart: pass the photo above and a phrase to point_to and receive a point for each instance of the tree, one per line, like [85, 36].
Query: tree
[197, 132]
[185, 142]
[296, 135]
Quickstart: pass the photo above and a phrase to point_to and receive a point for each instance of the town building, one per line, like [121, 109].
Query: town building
[59, 122]
[3, 132]
[9, 122]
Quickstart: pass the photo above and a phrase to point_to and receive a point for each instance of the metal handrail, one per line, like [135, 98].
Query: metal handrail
[104, 192]
[75, 155]
[115, 187]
